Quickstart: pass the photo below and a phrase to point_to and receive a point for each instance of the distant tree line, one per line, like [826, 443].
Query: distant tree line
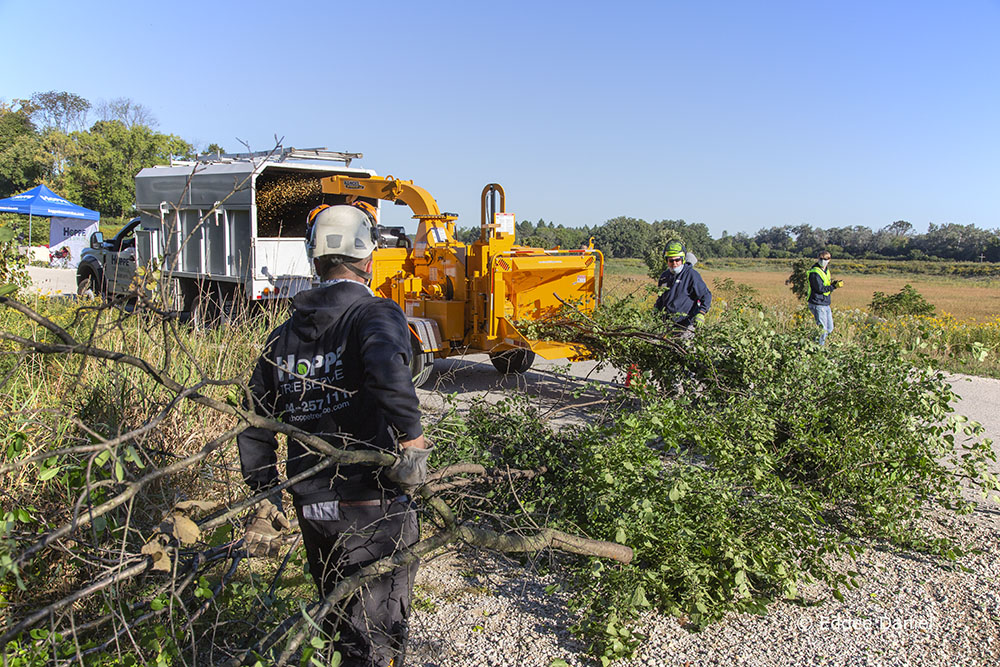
[539, 235]
[632, 237]
[90, 153]
[897, 240]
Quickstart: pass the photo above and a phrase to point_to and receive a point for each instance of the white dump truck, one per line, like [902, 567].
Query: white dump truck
[229, 228]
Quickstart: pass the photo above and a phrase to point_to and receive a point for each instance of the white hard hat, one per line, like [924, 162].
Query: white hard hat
[341, 230]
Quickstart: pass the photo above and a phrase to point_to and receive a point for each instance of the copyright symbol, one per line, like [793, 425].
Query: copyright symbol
[804, 623]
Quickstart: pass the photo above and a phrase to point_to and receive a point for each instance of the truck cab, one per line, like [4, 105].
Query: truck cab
[107, 267]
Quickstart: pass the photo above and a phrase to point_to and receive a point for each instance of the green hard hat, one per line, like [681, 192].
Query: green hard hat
[674, 249]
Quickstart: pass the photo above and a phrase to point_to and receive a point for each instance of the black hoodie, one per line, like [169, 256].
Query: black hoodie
[338, 367]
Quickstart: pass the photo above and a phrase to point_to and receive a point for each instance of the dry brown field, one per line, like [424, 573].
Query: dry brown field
[964, 299]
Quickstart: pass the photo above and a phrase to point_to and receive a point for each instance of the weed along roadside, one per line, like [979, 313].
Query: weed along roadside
[744, 478]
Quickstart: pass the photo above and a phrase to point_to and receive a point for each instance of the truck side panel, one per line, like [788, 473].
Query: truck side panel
[280, 258]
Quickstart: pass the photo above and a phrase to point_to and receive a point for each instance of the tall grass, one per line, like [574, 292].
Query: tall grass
[966, 346]
[54, 401]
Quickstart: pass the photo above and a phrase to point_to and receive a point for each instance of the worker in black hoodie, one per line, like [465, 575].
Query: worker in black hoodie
[339, 368]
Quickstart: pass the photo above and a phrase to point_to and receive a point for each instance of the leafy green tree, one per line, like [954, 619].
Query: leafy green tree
[62, 111]
[524, 229]
[808, 239]
[741, 244]
[908, 301]
[695, 236]
[22, 160]
[991, 253]
[624, 237]
[725, 248]
[893, 239]
[899, 229]
[101, 174]
[59, 149]
[855, 241]
[467, 234]
[953, 241]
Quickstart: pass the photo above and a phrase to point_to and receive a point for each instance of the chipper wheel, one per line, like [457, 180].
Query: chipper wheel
[421, 363]
[512, 361]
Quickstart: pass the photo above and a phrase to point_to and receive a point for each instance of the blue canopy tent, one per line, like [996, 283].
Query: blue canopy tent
[41, 201]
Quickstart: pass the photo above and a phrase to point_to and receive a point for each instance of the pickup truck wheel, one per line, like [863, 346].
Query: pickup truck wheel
[204, 313]
[512, 361]
[421, 363]
[87, 284]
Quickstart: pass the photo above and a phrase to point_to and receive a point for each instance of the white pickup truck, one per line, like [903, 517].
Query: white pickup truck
[108, 266]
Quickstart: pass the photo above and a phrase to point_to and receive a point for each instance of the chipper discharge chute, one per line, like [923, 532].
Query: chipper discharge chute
[460, 297]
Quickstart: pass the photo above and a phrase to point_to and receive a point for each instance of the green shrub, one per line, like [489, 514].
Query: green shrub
[799, 279]
[13, 264]
[746, 465]
[907, 301]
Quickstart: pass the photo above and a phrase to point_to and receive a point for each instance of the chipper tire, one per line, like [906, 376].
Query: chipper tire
[421, 363]
[512, 361]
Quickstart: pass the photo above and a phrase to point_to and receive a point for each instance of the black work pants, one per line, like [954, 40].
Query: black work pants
[372, 624]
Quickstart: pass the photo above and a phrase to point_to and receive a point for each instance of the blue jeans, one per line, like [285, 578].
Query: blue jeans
[824, 318]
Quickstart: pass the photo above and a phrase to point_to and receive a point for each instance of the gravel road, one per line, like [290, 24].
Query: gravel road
[476, 609]
[980, 400]
[52, 281]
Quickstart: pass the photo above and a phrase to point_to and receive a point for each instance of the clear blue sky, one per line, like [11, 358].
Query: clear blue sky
[736, 114]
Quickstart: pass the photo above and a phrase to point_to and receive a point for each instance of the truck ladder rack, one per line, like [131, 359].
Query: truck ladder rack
[280, 154]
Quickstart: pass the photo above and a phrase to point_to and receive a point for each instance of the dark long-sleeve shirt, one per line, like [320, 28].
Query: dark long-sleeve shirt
[339, 368]
[686, 295]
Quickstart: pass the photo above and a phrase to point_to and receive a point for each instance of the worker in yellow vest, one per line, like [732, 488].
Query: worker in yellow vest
[820, 288]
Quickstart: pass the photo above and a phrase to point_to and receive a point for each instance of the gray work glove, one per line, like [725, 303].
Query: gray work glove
[263, 529]
[687, 333]
[410, 468]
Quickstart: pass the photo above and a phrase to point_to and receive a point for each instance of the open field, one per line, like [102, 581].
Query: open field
[964, 334]
[963, 299]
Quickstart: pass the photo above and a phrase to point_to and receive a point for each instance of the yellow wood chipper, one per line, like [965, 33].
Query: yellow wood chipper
[461, 297]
